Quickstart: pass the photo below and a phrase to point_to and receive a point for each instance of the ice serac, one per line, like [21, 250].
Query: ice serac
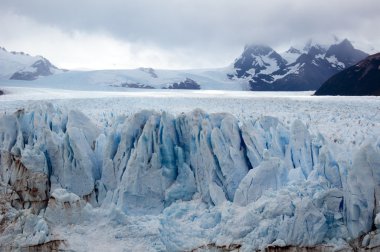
[169, 159]
[194, 133]
[362, 192]
[264, 134]
[204, 148]
[80, 168]
[202, 178]
[66, 208]
[229, 151]
[151, 168]
[22, 167]
[261, 165]
[56, 144]
[270, 174]
[301, 148]
[184, 186]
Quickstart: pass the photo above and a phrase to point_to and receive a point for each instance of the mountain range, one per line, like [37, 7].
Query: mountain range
[296, 69]
[258, 68]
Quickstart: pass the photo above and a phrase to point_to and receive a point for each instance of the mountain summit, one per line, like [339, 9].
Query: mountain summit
[22, 66]
[345, 53]
[258, 60]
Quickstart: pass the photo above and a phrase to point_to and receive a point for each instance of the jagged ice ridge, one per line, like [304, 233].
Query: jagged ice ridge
[203, 179]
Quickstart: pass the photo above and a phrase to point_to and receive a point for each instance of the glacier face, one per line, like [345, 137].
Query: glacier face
[194, 179]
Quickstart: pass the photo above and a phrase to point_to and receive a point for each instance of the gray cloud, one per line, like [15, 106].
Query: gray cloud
[212, 26]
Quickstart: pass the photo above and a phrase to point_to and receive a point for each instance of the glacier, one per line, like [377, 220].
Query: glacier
[154, 181]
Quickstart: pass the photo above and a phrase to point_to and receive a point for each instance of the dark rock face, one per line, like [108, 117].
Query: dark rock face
[346, 53]
[311, 72]
[30, 188]
[360, 79]
[216, 248]
[137, 85]
[186, 84]
[134, 85]
[266, 70]
[320, 248]
[256, 57]
[54, 245]
[149, 71]
[307, 73]
[41, 67]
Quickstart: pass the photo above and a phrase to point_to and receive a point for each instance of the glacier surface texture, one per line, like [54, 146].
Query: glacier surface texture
[157, 182]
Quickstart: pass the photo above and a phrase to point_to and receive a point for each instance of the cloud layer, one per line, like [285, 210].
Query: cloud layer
[179, 33]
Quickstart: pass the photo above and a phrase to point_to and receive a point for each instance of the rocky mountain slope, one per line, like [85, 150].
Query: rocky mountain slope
[22, 66]
[360, 79]
[296, 69]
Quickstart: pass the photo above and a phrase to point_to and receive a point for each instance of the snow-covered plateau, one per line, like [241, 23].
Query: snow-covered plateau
[188, 171]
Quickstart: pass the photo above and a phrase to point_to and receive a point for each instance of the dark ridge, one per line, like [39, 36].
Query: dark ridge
[360, 79]
[221, 248]
[186, 84]
[346, 53]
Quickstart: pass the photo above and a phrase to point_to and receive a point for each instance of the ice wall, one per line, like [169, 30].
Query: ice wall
[254, 183]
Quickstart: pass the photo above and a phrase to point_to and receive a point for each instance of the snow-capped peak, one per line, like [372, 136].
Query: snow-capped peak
[22, 66]
[295, 69]
[345, 53]
[258, 59]
[291, 55]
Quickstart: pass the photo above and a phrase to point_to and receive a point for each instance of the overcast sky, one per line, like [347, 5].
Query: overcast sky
[94, 34]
